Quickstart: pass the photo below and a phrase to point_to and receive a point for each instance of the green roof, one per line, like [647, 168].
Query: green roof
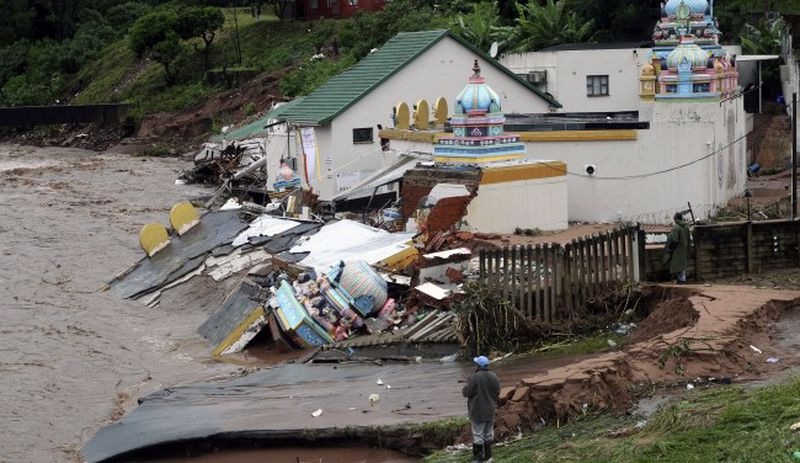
[342, 91]
[258, 126]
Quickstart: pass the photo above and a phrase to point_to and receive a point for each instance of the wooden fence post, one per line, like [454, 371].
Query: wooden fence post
[546, 282]
[748, 245]
[538, 280]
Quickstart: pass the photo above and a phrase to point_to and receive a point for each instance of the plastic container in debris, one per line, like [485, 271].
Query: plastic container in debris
[363, 283]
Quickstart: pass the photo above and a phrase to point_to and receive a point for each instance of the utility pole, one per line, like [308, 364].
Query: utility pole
[794, 156]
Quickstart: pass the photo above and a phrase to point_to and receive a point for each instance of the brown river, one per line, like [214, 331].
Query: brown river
[74, 359]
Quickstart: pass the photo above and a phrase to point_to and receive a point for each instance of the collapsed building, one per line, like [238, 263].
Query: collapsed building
[312, 283]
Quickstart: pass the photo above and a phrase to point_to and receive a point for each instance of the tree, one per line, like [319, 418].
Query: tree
[151, 29]
[200, 22]
[16, 22]
[620, 20]
[366, 31]
[541, 26]
[765, 38]
[165, 53]
[280, 7]
[480, 26]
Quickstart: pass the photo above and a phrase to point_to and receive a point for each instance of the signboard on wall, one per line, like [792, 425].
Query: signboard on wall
[309, 143]
[347, 180]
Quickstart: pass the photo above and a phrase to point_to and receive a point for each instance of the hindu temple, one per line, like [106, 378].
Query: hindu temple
[478, 134]
[687, 60]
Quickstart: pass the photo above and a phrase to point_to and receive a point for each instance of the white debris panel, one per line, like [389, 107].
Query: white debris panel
[265, 225]
[347, 241]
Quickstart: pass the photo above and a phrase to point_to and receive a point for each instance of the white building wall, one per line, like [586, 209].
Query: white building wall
[502, 207]
[442, 71]
[567, 71]
[680, 133]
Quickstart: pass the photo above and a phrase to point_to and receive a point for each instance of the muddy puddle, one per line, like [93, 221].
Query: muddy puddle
[297, 454]
[787, 330]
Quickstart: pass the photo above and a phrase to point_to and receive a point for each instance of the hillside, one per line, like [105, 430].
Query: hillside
[190, 67]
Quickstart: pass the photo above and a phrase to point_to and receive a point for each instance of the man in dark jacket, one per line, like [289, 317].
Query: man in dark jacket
[676, 251]
[482, 392]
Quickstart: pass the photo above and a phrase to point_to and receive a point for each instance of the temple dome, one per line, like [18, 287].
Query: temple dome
[695, 6]
[688, 52]
[477, 95]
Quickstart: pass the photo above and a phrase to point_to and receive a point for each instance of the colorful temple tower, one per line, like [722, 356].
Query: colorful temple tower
[687, 60]
[478, 134]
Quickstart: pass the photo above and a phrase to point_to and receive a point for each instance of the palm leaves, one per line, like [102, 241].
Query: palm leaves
[766, 38]
[540, 26]
[481, 26]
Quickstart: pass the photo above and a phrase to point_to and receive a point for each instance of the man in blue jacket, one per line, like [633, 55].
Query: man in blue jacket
[482, 392]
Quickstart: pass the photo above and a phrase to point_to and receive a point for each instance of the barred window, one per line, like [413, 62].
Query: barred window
[362, 135]
[596, 85]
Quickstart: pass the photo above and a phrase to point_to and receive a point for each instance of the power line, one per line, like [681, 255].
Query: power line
[664, 171]
[624, 177]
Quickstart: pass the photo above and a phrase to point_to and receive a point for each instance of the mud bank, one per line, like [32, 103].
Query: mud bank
[719, 326]
[293, 455]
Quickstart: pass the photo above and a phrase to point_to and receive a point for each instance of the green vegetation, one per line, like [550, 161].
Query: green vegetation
[447, 430]
[731, 424]
[157, 54]
[594, 343]
[540, 26]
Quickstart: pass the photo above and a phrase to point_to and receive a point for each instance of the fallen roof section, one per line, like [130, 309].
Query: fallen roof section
[383, 177]
[225, 410]
[183, 255]
[259, 127]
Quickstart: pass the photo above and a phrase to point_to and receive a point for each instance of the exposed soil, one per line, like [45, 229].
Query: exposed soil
[710, 338]
[178, 132]
[667, 317]
[186, 129]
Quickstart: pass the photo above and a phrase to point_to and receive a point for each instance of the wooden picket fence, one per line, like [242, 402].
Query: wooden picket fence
[548, 281]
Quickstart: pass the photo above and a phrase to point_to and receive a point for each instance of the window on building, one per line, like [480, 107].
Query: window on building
[353, 2]
[313, 4]
[596, 85]
[332, 3]
[362, 135]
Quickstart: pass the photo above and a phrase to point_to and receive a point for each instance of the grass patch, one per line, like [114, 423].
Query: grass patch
[729, 424]
[441, 431]
[595, 343]
[101, 79]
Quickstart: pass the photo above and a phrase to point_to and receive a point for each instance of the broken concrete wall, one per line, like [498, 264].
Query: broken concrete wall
[418, 183]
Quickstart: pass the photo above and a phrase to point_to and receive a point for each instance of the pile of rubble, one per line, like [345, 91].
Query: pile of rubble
[305, 283]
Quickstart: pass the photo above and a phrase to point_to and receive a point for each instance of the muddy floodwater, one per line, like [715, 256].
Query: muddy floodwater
[72, 358]
[303, 455]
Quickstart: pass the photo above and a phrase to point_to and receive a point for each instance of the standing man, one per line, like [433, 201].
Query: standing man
[482, 392]
[676, 251]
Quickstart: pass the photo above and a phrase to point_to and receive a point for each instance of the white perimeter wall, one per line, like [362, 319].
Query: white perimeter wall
[442, 71]
[502, 207]
[679, 133]
[567, 71]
